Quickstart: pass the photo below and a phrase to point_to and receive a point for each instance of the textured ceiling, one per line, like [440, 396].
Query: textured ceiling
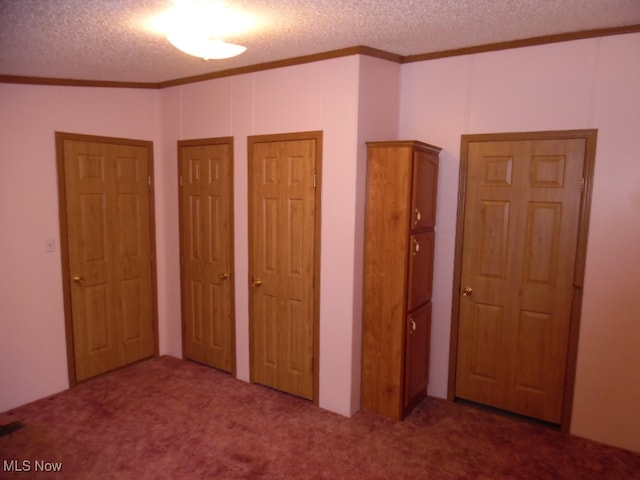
[106, 39]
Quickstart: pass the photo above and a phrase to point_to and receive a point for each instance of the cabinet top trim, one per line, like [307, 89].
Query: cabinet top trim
[405, 143]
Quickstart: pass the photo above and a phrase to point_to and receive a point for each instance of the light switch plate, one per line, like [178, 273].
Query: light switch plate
[50, 245]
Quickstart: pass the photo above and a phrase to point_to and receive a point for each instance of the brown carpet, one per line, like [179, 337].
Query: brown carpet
[169, 419]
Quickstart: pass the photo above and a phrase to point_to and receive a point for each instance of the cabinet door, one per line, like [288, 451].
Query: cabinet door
[417, 354]
[424, 190]
[420, 280]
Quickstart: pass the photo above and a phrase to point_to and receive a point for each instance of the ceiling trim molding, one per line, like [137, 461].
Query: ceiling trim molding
[525, 42]
[358, 50]
[71, 82]
[316, 57]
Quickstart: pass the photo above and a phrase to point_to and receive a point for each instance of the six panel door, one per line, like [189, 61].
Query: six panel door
[110, 260]
[206, 243]
[520, 235]
[282, 264]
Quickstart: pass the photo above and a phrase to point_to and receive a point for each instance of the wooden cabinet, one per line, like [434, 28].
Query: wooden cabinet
[398, 272]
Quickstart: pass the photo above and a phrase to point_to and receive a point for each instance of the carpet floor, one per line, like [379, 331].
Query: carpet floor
[166, 418]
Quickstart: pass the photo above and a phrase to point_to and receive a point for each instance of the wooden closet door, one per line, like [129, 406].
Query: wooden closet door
[206, 242]
[107, 232]
[282, 266]
[522, 215]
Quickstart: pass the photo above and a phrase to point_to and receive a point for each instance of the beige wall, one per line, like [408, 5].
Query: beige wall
[575, 85]
[33, 360]
[318, 96]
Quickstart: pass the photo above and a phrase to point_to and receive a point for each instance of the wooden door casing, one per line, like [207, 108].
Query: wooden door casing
[520, 248]
[206, 251]
[108, 252]
[283, 261]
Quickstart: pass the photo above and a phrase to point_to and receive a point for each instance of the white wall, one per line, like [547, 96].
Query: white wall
[607, 404]
[574, 85]
[378, 117]
[33, 359]
[317, 96]
[167, 226]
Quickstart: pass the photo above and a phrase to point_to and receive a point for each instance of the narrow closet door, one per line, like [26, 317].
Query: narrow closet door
[283, 261]
[206, 240]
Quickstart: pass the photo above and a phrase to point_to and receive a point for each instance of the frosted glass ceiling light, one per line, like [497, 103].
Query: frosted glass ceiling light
[205, 48]
[197, 27]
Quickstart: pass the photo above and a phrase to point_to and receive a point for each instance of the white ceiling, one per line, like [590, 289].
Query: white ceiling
[106, 40]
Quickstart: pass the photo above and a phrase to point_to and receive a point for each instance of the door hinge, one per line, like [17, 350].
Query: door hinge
[582, 185]
[314, 180]
[180, 180]
[149, 180]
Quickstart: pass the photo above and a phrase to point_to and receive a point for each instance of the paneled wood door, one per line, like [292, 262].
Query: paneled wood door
[283, 256]
[418, 346]
[206, 245]
[519, 272]
[108, 252]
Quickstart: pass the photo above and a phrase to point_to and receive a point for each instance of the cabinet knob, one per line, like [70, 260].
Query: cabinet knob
[417, 216]
[416, 246]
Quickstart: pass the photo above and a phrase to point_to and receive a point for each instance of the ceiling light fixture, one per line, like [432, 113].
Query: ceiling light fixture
[205, 48]
[197, 27]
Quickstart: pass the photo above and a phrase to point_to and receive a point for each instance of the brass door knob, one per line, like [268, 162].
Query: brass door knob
[224, 276]
[78, 279]
[256, 282]
[467, 291]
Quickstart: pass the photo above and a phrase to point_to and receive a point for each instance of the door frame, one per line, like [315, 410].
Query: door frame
[194, 143]
[590, 137]
[281, 137]
[60, 138]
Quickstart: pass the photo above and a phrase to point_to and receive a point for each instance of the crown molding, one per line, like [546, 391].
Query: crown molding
[358, 50]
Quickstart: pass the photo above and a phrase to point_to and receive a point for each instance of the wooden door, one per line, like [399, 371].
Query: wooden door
[518, 273]
[424, 190]
[206, 244]
[420, 279]
[108, 252]
[283, 272]
[417, 354]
